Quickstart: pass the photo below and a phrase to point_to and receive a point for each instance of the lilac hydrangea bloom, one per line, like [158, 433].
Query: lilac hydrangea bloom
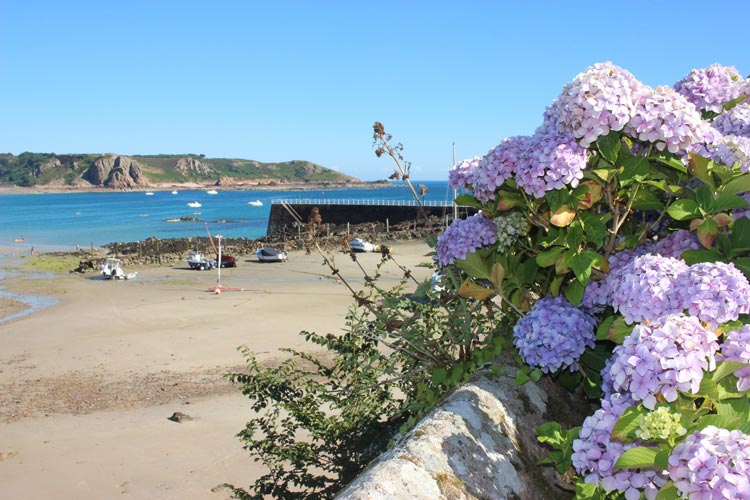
[714, 292]
[663, 357]
[736, 347]
[554, 334]
[595, 454]
[735, 121]
[497, 166]
[709, 88]
[675, 244]
[646, 288]
[729, 150]
[666, 119]
[462, 173]
[712, 464]
[600, 293]
[552, 161]
[464, 236]
[597, 101]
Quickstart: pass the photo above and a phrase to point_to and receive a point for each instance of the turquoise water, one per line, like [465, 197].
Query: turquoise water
[66, 219]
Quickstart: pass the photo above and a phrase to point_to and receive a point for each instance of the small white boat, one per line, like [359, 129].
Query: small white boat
[194, 204]
[212, 191]
[112, 270]
[149, 193]
[268, 254]
[174, 192]
[256, 203]
[197, 260]
[359, 245]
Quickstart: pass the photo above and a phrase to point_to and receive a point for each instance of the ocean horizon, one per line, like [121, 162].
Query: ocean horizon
[51, 221]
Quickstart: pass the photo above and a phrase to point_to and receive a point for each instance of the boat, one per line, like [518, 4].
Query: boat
[212, 191]
[255, 203]
[149, 193]
[174, 192]
[360, 245]
[196, 260]
[194, 204]
[20, 239]
[197, 213]
[268, 254]
[111, 269]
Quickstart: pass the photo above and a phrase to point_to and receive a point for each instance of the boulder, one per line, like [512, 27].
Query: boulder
[116, 172]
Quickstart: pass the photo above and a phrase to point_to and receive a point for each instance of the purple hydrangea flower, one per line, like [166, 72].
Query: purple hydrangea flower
[462, 173]
[645, 288]
[595, 454]
[600, 293]
[730, 150]
[712, 464]
[464, 236]
[675, 244]
[709, 88]
[662, 357]
[497, 166]
[597, 101]
[735, 121]
[714, 292]
[552, 161]
[554, 334]
[666, 119]
[736, 347]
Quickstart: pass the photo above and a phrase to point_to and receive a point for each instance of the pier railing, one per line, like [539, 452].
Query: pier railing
[339, 201]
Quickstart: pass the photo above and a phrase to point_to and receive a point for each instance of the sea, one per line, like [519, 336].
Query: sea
[64, 221]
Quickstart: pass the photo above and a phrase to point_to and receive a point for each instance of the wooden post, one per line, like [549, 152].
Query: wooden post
[328, 229]
[387, 226]
[347, 229]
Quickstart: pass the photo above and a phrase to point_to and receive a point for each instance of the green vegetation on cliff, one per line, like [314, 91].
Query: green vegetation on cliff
[39, 169]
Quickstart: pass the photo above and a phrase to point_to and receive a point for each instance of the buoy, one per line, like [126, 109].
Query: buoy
[217, 291]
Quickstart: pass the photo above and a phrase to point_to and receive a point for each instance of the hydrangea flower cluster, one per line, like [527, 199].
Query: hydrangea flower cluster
[662, 357]
[464, 236]
[595, 454]
[709, 88]
[597, 101]
[675, 244]
[646, 288]
[462, 173]
[552, 161]
[554, 334]
[729, 150]
[509, 228]
[711, 464]
[498, 165]
[600, 293]
[714, 292]
[736, 347]
[666, 119]
[735, 121]
[660, 424]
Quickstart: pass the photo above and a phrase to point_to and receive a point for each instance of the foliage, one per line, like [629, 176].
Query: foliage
[618, 184]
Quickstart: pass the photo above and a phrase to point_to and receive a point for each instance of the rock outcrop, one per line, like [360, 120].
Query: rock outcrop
[192, 166]
[479, 444]
[115, 172]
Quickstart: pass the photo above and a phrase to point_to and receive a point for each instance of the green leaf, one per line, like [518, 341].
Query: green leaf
[595, 229]
[475, 266]
[439, 375]
[605, 174]
[684, 210]
[637, 458]
[703, 255]
[574, 293]
[581, 265]
[574, 238]
[739, 184]
[615, 330]
[726, 201]
[497, 275]
[668, 492]
[741, 233]
[646, 200]
[704, 197]
[507, 200]
[738, 408]
[628, 422]
[726, 368]
[671, 161]
[467, 200]
[698, 166]
[635, 168]
[609, 146]
[549, 257]
[727, 422]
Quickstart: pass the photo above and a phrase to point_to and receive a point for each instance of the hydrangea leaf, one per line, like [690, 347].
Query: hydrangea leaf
[507, 200]
[574, 293]
[698, 166]
[646, 200]
[614, 329]
[726, 368]
[727, 422]
[563, 216]
[635, 168]
[741, 234]
[609, 146]
[728, 201]
[497, 275]
[624, 429]
[469, 289]
[475, 266]
[684, 209]
[467, 200]
[549, 257]
[637, 458]
[737, 185]
[738, 408]
[581, 265]
[706, 232]
[703, 255]
[668, 492]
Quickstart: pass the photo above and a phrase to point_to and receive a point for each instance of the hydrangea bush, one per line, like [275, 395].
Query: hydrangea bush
[618, 237]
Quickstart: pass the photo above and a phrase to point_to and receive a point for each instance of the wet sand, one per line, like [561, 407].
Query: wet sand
[86, 385]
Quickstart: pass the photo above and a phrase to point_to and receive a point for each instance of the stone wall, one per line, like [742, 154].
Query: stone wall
[480, 443]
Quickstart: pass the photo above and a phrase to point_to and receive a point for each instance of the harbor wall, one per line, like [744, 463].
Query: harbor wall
[282, 224]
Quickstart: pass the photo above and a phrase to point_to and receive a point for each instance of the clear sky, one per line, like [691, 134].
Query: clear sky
[281, 80]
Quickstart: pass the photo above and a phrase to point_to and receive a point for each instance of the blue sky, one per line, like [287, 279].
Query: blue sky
[283, 80]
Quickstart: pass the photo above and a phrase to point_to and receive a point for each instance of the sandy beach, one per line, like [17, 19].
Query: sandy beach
[87, 384]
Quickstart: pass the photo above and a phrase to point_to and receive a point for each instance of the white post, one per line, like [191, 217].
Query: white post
[218, 264]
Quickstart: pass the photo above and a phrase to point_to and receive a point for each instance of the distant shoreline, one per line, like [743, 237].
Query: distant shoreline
[188, 186]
